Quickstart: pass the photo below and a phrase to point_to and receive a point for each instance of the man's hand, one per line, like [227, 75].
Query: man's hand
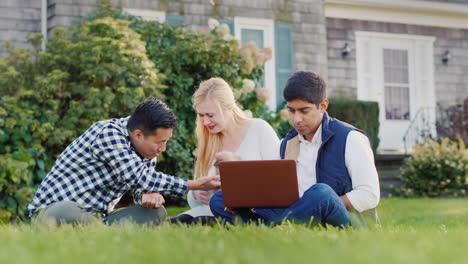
[202, 196]
[205, 183]
[152, 200]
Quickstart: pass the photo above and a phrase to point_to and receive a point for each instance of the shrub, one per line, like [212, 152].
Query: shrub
[15, 186]
[436, 168]
[187, 58]
[102, 69]
[453, 121]
[361, 114]
[96, 71]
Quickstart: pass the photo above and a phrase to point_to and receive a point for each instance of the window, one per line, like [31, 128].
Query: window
[262, 32]
[175, 20]
[280, 68]
[396, 84]
[255, 35]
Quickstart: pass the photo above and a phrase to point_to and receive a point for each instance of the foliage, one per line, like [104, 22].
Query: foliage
[15, 190]
[96, 71]
[102, 69]
[436, 168]
[453, 121]
[187, 58]
[361, 114]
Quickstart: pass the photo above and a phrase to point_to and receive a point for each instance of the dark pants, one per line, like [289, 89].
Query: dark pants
[319, 205]
[190, 220]
[68, 212]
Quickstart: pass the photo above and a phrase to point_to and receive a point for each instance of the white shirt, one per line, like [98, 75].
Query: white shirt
[260, 143]
[308, 151]
[359, 160]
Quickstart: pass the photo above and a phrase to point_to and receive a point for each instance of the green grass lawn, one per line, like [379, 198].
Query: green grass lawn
[413, 231]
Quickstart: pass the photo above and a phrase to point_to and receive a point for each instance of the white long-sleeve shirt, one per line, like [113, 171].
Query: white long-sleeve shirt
[359, 161]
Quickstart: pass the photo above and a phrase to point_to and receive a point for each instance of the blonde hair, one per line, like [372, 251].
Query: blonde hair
[222, 95]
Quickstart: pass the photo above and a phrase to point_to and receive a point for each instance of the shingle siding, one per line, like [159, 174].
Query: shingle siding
[317, 44]
[19, 17]
[450, 80]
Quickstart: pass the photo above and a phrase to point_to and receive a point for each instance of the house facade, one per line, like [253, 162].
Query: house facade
[410, 56]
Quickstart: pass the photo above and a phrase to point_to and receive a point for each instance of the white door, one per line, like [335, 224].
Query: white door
[397, 72]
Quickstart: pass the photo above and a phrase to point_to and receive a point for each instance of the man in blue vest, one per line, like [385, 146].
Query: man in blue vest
[337, 178]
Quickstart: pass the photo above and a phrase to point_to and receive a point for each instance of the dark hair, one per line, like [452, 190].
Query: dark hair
[305, 85]
[151, 115]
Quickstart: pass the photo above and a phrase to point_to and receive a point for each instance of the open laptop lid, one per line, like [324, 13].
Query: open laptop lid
[259, 183]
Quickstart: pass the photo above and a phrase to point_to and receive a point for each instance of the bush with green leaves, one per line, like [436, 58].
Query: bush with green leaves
[98, 70]
[15, 186]
[187, 58]
[435, 169]
[102, 69]
[361, 114]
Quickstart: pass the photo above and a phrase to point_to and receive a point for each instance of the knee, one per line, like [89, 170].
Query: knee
[137, 214]
[151, 216]
[59, 208]
[65, 212]
[320, 191]
[216, 203]
[159, 213]
[322, 188]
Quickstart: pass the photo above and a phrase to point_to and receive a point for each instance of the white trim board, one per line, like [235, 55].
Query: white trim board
[146, 14]
[379, 35]
[403, 12]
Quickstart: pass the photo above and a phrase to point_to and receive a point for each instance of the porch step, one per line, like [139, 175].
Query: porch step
[388, 167]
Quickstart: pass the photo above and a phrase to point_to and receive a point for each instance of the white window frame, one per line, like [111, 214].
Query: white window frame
[268, 28]
[146, 14]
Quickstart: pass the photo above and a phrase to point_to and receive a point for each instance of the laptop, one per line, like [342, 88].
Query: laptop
[259, 183]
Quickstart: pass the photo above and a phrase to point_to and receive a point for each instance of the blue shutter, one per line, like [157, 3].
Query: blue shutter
[284, 52]
[228, 22]
[175, 20]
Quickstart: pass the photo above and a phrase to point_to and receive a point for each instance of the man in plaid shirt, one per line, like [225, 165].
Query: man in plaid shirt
[110, 158]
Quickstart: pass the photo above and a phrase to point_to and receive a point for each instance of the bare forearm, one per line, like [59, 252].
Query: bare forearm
[193, 185]
[204, 183]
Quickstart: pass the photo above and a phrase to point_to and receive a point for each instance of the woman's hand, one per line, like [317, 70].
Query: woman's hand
[202, 196]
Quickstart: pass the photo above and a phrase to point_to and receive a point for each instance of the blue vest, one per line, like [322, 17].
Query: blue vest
[330, 167]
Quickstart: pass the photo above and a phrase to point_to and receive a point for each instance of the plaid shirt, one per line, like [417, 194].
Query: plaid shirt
[100, 166]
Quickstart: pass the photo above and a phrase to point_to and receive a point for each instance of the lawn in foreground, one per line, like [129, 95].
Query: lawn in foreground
[414, 231]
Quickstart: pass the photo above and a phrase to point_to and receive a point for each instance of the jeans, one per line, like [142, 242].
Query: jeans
[318, 205]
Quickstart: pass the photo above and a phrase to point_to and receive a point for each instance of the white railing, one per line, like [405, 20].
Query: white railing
[423, 125]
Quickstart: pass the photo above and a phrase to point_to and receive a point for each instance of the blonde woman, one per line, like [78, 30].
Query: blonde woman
[222, 126]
